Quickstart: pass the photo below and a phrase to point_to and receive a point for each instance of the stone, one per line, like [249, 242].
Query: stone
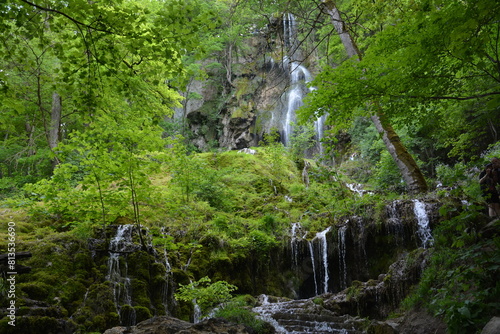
[171, 325]
[492, 327]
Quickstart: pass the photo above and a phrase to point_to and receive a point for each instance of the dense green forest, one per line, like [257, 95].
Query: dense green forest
[98, 129]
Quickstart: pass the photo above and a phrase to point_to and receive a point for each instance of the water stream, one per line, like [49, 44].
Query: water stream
[424, 231]
[119, 246]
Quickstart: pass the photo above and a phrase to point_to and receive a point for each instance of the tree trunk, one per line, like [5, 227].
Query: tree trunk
[55, 123]
[407, 166]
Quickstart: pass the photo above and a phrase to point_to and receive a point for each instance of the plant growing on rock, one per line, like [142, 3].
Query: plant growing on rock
[205, 293]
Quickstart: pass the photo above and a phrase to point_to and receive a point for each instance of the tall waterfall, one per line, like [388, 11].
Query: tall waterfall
[299, 77]
[117, 273]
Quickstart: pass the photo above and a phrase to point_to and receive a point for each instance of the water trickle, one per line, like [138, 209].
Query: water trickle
[311, 251]
[394, 224]
[424, 231]
[323, 248]
[296, 227]
[342, 256]
[168, 273]
[118, 273]
[197, 316]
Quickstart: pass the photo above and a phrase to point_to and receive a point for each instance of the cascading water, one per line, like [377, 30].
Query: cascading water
[296, 227]
[299, 77]
[321, 273]
[324, 252]
[424, 231]
[303, 316]
[121, 244]
[394, 224]
[311, 251]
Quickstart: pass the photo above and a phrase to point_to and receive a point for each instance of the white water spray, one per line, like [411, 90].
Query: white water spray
[424, 231]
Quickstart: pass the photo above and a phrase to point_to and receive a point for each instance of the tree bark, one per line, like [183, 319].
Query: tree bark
[55, 123]
[408, 168]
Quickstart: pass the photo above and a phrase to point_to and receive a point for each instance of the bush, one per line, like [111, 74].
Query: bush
[206, 294]
[239, 312]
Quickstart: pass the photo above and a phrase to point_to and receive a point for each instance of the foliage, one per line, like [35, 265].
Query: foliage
[238, 311]
[460, 282]
[415, 68]
[205, 294]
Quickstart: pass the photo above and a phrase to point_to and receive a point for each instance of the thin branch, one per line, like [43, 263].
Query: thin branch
[66, 16]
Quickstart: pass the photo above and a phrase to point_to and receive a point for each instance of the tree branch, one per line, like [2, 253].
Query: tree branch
[66, 16]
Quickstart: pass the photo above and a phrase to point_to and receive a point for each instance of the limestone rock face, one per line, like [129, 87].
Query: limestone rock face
[170, 325]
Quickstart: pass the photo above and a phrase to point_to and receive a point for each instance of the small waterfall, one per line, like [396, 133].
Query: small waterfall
[321, 273]
[197, 316]
[319, 125]
[323, 249]
[118, 276]
[424, 231]
[311, 251]
[168, 273]
[294, 244]
[394, 225]
[342, 257]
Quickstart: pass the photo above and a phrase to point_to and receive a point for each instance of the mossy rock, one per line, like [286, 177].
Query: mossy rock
[127, 315]
[72, 294]
[36, 290]
[37, 325]
[139, 265]
[140, 294]
[142, 313]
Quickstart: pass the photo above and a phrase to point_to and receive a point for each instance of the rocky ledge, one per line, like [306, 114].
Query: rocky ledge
[170, 325]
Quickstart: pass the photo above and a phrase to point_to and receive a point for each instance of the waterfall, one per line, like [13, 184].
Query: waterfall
[294, 244]
[424, 231]
[319, 125]
[311, 251]
[394, 225]
[117, 273]
[299, 77]
[342, 257]
[168, 272]
[321, 236]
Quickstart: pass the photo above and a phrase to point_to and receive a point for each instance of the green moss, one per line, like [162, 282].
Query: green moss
[142, 313]
[36, 290]
[138, 265]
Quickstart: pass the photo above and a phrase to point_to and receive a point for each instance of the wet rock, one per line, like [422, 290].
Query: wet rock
[376, 299]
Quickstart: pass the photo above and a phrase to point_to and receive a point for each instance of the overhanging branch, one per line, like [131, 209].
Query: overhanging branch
[72, 19]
